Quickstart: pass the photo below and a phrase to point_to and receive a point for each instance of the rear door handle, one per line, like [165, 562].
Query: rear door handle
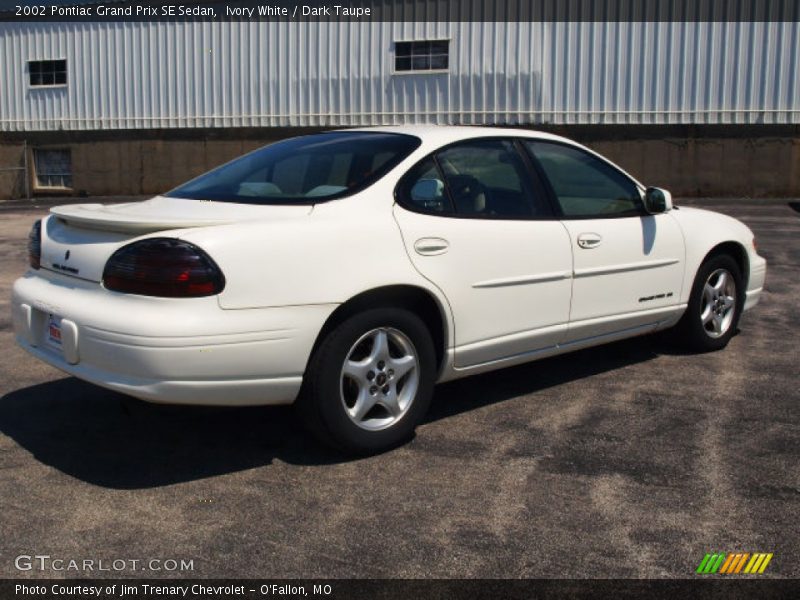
[431, 246]
[588, 241]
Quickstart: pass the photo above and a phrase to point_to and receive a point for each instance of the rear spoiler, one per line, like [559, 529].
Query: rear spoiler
[132, 217]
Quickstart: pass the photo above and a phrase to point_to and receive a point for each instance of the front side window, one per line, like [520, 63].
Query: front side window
[585, 186]
[429, 55]
[303, 170]
[47, 72]
[483, 178]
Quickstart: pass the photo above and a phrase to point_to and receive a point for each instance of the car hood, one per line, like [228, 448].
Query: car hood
[78, 239]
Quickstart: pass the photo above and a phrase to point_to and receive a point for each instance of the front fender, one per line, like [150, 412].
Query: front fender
[704, 230]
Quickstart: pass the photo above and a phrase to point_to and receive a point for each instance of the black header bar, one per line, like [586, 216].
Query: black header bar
[698, 588]
[403, 10]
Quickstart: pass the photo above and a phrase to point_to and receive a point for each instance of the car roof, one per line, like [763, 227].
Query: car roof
[435, 136]
[440, 135]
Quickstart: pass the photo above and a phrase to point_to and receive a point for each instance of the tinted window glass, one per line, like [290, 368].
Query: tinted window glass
[488, 178]
[303, 170]
[586, 186]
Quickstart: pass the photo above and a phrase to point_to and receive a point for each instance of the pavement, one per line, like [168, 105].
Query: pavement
[628, 460]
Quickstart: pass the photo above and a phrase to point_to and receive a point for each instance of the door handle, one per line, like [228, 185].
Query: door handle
[587, 241]
[431, 246]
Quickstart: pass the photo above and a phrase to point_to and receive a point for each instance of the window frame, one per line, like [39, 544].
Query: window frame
[534, 179]
[35, 170]
[553, 197]
[413, 71]
[47, 86]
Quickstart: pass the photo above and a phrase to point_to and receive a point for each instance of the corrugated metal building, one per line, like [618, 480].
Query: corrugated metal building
[285, 74]
[188, 95]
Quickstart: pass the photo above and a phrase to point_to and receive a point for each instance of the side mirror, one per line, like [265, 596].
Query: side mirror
[657, 201]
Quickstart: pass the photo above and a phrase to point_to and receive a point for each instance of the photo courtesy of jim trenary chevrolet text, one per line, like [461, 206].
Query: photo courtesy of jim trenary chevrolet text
[399, 299]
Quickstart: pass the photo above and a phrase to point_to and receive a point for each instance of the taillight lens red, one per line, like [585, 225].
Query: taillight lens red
[35, 245]
[163, 267]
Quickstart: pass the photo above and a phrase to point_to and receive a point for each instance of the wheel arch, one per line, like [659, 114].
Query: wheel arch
[419, 300]
[737, 252]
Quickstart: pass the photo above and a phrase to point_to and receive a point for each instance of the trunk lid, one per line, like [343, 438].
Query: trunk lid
[78, 239]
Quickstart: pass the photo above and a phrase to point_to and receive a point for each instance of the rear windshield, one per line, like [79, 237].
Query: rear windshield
[303, 170]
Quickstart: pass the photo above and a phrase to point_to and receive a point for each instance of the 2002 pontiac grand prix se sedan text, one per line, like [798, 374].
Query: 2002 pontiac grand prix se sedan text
[352, 270]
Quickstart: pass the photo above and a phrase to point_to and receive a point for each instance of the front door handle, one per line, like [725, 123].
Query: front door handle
[587, 241]
[431, 246]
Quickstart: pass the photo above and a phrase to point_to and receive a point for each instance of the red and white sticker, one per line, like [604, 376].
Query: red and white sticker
[54, 330]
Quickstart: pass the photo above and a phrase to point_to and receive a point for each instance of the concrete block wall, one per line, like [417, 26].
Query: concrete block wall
[760, 167]
[688, 160]
[12, 179]
[148, 166]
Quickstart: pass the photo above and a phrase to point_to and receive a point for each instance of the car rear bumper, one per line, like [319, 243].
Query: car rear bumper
[183, 351]
[758, 275]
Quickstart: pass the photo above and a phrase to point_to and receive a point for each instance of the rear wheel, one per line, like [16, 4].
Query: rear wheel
[714, 306]
[370, 381]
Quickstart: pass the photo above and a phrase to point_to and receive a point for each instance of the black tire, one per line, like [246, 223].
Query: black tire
[322, 404]
[690, 330]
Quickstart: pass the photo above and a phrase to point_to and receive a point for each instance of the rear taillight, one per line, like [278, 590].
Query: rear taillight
[35, 245]
[163, 267]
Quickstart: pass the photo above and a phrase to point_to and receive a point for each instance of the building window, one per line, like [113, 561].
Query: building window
[53, 168]
[47, 72]
[433, 55]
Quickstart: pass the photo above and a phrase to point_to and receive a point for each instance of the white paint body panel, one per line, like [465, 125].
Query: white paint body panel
[507, 291]
[635, 258]
[170, 350]
[508, 282]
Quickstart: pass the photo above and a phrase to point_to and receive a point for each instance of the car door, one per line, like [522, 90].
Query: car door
[628, 265]
[479, 226]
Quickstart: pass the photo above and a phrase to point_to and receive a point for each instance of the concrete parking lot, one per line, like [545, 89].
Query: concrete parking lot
[629, 460]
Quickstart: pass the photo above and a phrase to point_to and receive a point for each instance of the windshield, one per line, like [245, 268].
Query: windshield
[303, 170]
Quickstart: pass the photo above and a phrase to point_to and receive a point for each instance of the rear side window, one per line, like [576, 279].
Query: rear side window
[303, 170]
[423, 189]
[584, 185]
[484, 178]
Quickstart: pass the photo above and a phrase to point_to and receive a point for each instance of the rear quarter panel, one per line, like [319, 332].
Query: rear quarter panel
[343, 248]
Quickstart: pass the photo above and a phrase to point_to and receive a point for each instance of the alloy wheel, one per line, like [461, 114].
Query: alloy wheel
[718, 305]
[379, 378]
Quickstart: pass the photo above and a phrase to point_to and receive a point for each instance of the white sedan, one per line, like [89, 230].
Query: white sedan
[352, 270]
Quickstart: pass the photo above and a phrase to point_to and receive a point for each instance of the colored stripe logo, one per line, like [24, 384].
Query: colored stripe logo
[734, 563]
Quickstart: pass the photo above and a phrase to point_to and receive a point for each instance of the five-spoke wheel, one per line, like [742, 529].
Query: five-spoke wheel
[380, 378]
[719, 303]
[370, 380]
[714, 304]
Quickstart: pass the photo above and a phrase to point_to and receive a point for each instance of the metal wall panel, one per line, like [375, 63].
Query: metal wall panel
[266, 74]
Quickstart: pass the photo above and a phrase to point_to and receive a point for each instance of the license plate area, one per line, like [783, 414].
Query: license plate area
[52, 332]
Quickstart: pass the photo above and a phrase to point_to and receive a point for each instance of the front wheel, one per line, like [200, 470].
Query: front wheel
[370, 381]
[715, 304]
